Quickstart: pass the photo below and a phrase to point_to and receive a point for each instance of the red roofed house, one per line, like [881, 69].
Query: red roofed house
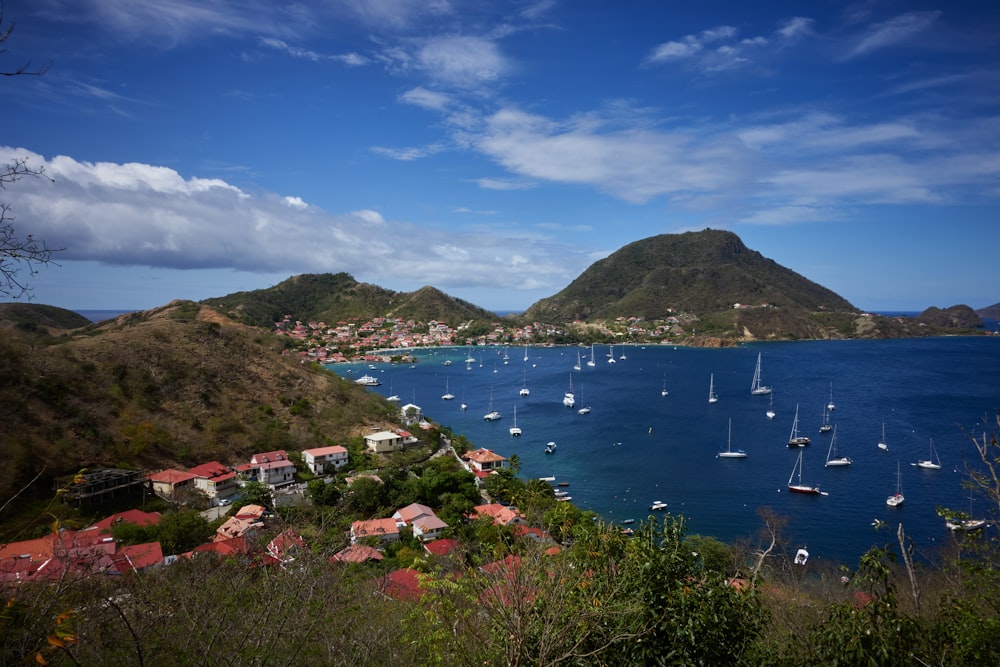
[386, 530]
[425, 524]
[401, 585]
[324, 459]
[357, 553]
[268, 457]
[137, 557]
[214, 479]
[484, 460]
[283, 547]
[441, 547]
[137, 517]
[503, 516]
[167, 483]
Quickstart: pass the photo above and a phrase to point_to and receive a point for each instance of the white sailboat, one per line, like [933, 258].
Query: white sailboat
[896, 499]
[550, 447]
[590, 362]
[525, 353]
[882, 444]
[447, 396]
[611, 354]
[956, 523]
[622, 356]
[832, 460]
[524, 391]
[798, 486]
[569, 398]
[492, 415]
[577, 365]
[756, 388]
[794, 439]
[585, 410]
[392, 398]
[830, 406]
[712, 398]
[515, 430]
[825, 427]
[663, 392]
[932, 462]
[729, 453]
[770, 408]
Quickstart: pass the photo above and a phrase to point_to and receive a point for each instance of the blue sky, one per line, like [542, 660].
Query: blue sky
[495, 150]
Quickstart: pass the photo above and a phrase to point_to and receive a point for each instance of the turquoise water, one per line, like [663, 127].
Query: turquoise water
[637, 446]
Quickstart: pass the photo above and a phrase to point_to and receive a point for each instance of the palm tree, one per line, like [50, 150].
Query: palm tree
[514, 463]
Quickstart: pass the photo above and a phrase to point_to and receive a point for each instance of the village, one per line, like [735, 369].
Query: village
[387, 338]
[252, 533]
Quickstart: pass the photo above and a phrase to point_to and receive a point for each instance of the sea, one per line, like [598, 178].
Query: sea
[638, 446]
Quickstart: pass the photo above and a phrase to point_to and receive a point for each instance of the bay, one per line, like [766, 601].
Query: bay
[638, 446]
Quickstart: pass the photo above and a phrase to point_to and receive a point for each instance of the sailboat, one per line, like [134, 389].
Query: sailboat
[622, 356]
[794, 439]
[832, 460]
[896, 499]
[585, 410]
[882, 443]
[729, 453]
[825, 426]
[965, 524]
[830, 406]
[590, 362]
[393, 398]
[712, 398]
[663, 392]
[577, 366]
[515, 430]
[756, 388]
[550, 447]
[932, 462]
[569, 398]
[525, 353]
[447, 396]
[798, 486]
[770, 408]
[611, 354]
[524, 386]
[492, 415]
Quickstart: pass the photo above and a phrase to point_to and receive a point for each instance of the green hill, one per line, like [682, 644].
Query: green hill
[703, 274]
[33, 315]
[335, 297]
[177, 385]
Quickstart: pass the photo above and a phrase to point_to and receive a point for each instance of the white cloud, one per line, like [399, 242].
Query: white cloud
[503, 184]
[427, 99]
[463, 61]
[796, 27]
[147, 215]
[410, 153]
[894, 31]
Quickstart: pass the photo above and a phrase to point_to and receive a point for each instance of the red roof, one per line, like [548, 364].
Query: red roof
[401, 584]
[137, 557]
[137, 517]
[171, 476]
[441, 547]
[357, 553]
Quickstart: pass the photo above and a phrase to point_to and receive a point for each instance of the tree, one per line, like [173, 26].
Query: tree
[17, 251]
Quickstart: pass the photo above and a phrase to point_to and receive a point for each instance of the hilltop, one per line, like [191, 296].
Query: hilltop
[336, 297]
[34, 316]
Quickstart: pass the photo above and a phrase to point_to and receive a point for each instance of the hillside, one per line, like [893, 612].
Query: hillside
[990, 312]
[177, 385]
[700, 273]
[31, 316]
[335, 297]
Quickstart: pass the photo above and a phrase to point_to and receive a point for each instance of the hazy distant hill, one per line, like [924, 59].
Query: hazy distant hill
[33, 315]
[334, 297]
[990, 312]
[698, 272]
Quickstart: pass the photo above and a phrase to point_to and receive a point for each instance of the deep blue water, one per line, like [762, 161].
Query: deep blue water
[101, 315]
[638, 446]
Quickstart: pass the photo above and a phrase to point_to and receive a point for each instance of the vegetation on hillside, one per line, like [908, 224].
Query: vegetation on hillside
[332, 298]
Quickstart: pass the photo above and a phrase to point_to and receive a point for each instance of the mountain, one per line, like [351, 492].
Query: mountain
[956, 317]
[176, 385]
[34, 316]
[990, 312]
[700, 273]
[334, 297]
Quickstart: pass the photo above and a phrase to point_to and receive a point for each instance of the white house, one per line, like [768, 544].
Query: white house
[388, 441]
[425, 524]
[325, 459]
